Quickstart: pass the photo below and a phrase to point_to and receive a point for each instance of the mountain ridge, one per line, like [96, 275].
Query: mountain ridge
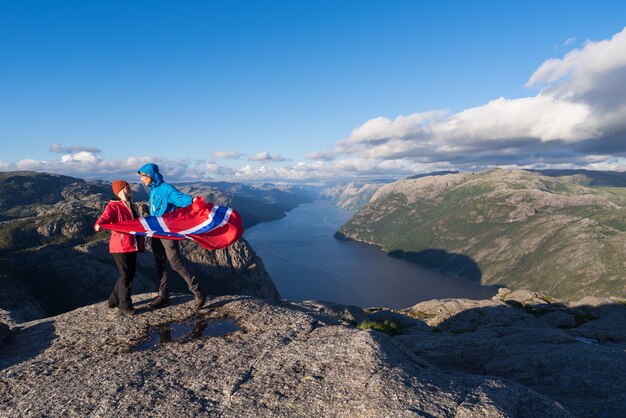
[511, 228]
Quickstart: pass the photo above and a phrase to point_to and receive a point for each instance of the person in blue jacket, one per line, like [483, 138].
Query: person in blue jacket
[165, 198]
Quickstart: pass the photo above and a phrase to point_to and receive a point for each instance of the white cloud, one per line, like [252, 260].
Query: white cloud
[265, 156]
[81, 157]
[381, 128]
[84, 165]
[320, 156]
[594, 59]
[566, 43]
[611, 164]
[226, 155]
[541, 117]
[135, 161]
[30, 164]
[575, 119]
[218, 170]
[569, 41]
[579, 111]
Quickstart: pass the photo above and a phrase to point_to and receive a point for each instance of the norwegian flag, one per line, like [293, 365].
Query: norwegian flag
[210, 226]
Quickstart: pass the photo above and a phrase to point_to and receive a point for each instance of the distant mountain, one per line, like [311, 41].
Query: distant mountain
[52, 261]
[255, 204]
[354, 195]
[434, 173]
[513, 228]
[41, 209]
[588, 177]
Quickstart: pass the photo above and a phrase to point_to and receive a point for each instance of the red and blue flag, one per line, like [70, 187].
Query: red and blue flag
[209, 225]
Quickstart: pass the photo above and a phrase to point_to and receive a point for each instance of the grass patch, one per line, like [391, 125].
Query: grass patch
[421, 315]
[388, 327]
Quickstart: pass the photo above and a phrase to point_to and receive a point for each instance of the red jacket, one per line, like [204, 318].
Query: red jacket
[117, 211]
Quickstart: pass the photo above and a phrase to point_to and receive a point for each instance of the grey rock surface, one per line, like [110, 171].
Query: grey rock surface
[574, 353]
[352, 196]
[17, 303]
[235, 270]
[276, 358]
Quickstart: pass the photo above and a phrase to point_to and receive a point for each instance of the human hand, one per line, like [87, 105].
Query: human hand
[197, 203]
[97, 227]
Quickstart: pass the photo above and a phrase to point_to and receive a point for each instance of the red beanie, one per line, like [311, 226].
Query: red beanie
[118, 185]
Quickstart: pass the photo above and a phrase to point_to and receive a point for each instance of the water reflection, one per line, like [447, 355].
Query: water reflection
[187, 330]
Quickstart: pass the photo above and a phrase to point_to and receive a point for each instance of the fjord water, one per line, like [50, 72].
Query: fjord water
[306, 262]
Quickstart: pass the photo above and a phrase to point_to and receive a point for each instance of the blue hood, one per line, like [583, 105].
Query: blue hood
[152, 170]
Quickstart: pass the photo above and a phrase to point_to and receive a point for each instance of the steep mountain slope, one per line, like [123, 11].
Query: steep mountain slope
[353, 195]
[52, 261]
[356, 194]
[512, 228]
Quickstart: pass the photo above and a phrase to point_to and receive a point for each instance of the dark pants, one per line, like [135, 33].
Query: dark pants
[126, 264]
[168, 250]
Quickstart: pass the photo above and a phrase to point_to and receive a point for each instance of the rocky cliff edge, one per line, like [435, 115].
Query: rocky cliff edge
[519, 354]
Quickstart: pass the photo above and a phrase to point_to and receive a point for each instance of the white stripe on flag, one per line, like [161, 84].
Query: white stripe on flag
[144, 224]
[226, 216]
[162, 223]
[202, 225]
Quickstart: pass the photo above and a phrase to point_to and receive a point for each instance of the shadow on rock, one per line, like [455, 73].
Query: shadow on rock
[63, 279]
[437, 259]
[23, 344]
[574, 353]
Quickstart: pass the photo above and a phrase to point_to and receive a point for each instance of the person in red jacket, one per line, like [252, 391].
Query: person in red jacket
[123, 247]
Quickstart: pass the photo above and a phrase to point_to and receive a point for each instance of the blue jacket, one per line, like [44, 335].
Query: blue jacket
[163, 196]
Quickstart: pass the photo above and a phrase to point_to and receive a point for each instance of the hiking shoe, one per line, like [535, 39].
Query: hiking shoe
[126, 311]
[198, 301]
[159, 302]
[111, 304]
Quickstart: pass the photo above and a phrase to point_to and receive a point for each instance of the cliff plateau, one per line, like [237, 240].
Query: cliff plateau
[519, 354]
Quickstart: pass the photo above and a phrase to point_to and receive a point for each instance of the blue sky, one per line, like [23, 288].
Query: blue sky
[306, 90]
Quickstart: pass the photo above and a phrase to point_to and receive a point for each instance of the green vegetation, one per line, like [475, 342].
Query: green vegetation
[420, 315]
[518, 229]
[617, 191]
[388, 327]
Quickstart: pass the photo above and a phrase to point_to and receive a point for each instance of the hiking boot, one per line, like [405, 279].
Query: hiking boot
[198, 301]
[126, 311]
[159, 302]
[111, 304]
